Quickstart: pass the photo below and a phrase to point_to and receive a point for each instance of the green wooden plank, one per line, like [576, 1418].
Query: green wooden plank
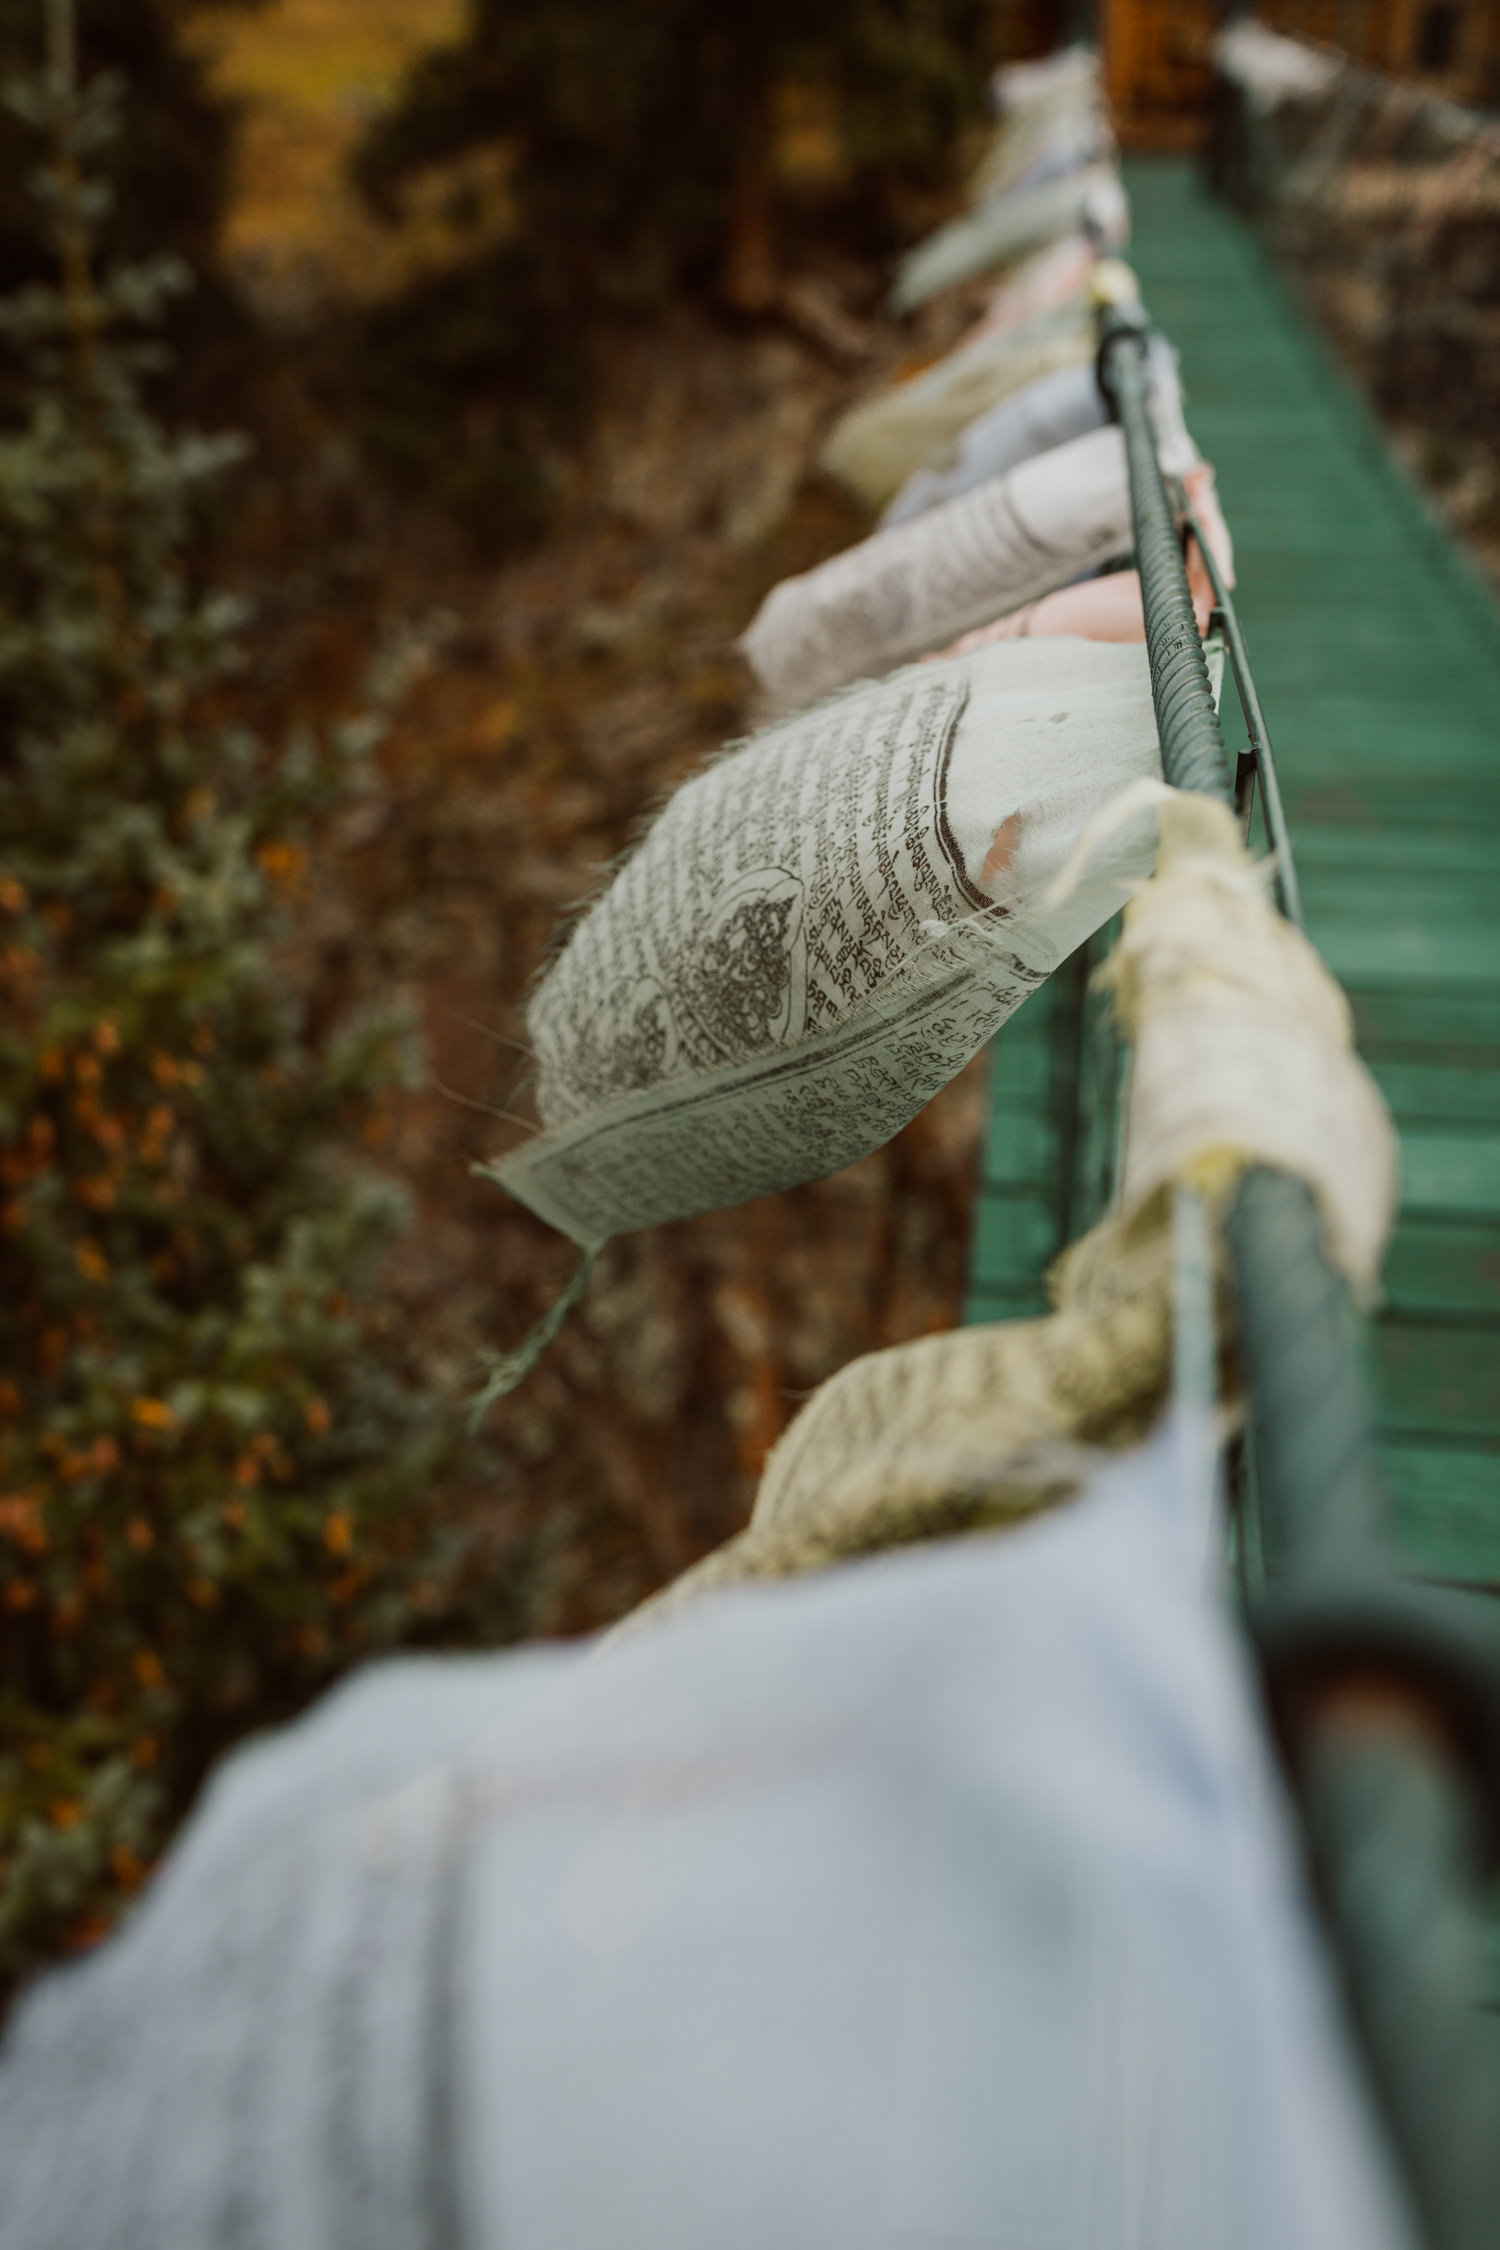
[1023, 1188]
[1435, 1268]
[1451, 1172]
[1028, 1302]
[1446, 862]
[1401, 952]
[1465, 856]
[1015, 1239]
[1376, 806]
[1447, 1510]
[1022, 1150]
[1447, 1025]
[1430, 1092]
[1455, 895]
[1438, 1381]
[1022, 1071]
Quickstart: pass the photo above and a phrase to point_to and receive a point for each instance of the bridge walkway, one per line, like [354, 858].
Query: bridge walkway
[1377, 653]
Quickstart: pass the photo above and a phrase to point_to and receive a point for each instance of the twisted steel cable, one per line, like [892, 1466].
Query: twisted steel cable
[1193, 755]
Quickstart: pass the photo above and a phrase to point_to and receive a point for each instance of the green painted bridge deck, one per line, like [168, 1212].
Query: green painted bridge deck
[1377, 654]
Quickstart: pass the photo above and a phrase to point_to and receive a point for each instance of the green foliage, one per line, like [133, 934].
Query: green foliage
[633, 126]
[209, 1459]
[170, 179]
[466, 380]
[637, 141]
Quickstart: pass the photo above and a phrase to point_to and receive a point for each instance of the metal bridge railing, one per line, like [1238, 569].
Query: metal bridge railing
[1385, 1696]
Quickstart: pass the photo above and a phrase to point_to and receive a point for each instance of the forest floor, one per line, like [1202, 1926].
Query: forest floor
[553, 701]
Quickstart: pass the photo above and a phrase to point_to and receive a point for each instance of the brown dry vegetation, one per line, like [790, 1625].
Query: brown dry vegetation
[556, 700]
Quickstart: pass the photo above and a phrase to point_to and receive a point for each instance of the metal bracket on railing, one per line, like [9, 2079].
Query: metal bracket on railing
[1261, 758]
[1390, 1729]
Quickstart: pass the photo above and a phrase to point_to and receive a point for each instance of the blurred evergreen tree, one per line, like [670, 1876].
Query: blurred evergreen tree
[637, 140]
[171, 176]
[210, 1462]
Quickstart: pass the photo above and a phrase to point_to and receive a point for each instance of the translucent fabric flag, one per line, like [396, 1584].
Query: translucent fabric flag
[994, 233]
[879, 443]
[1049, 412]
[822, 928]
[1051, 121]
[947, 1899]
[1042, 282]
[1067, 76]
[1109, 608]
[912, 588]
